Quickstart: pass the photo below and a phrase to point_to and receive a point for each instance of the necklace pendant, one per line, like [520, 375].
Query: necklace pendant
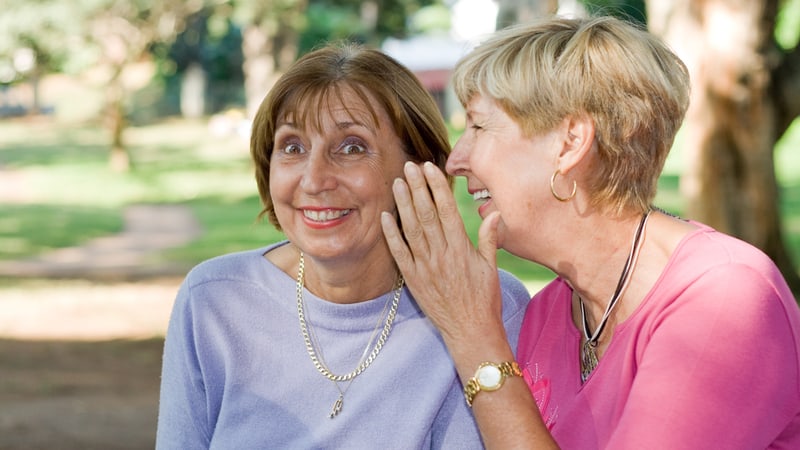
[588, 360]
[337, 407]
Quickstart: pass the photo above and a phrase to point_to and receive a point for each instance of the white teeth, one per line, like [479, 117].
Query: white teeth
[481, 195]
[328, 214]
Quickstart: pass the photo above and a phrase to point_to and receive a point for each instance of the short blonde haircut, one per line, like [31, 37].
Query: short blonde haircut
[634, 88]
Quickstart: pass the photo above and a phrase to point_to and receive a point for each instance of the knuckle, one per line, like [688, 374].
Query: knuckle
[448, 212]
[428, 217]
[413, 233]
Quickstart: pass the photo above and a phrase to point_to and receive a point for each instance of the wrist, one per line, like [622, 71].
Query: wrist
[490, 377]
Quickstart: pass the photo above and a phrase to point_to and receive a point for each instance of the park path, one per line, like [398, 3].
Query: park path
[111, 287]
[128, 255]
[80, 352]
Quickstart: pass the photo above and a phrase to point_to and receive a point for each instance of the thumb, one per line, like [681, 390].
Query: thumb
[487, 238]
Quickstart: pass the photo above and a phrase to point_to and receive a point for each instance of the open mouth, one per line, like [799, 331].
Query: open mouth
[481, 195]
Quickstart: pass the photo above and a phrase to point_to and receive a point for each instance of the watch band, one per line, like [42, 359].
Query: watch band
[473, 386]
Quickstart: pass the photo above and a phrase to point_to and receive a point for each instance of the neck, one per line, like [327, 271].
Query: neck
[602, 275]
[349, 281]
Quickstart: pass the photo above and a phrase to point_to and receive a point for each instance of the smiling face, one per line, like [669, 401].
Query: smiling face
[330, 177]
[505, 170]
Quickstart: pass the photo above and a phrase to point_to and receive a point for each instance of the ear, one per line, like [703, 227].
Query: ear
[578, 141]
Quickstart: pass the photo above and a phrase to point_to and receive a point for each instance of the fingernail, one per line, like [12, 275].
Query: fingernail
[411, 169]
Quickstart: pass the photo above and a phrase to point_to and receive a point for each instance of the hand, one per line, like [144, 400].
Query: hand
[455, 284]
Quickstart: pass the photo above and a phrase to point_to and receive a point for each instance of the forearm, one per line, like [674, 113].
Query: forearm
[508, 418]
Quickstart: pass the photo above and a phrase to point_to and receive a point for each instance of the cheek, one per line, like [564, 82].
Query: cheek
[280, 188]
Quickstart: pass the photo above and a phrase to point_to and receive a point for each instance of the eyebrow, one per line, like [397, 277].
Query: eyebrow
[345, 125]
[339, 125]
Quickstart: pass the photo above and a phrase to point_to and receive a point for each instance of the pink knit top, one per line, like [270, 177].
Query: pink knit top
[710, 359]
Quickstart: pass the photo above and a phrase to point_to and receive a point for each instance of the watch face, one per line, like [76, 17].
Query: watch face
[489, 377]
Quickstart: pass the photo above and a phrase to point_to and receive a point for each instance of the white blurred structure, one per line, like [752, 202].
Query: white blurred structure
[473, 19]
[432, 56]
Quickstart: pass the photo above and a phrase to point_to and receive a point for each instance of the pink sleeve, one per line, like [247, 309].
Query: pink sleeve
[720, 369]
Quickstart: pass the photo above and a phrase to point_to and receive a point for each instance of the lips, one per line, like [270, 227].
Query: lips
[483, 198]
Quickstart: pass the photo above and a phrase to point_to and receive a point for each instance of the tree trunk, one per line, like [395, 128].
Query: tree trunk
[258, 66]
[734, 119]
[120, 160]
[269, 46]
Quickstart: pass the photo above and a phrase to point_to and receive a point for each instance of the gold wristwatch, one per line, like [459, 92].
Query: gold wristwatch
[490, 377]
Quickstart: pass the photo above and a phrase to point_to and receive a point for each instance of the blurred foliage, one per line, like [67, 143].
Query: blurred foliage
[787, 28]
[39, 26]
[213, 37]
[633, 10]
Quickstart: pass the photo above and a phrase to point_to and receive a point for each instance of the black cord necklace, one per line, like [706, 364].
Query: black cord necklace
[589, 348]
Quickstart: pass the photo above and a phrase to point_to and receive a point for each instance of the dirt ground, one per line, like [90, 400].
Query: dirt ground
[80, 363]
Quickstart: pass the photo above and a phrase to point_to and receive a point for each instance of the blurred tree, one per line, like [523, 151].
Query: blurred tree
[276, 32]
[633, 10]
[212, 42]
[511, 12]
[123, 31]
[745, 95]
[37, 31]
[107, 35]
[270, 36]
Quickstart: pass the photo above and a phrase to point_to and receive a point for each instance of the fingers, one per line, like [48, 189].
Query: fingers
[397, 245]
[452, 224]
[428, 224]
[415, 239]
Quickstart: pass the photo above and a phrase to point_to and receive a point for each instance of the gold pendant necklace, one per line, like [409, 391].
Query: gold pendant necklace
[366, 359]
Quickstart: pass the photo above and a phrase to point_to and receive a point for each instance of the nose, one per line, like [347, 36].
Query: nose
[458, 161]
[318, 174]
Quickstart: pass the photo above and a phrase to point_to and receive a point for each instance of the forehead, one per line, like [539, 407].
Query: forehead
[310, 108]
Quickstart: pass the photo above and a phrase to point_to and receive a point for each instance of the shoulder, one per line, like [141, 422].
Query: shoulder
[237, 266]
[708, 247]
[515, 294]
[718, 263]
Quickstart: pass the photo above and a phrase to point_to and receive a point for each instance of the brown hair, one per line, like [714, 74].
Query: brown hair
[635, 89]
[322, 75]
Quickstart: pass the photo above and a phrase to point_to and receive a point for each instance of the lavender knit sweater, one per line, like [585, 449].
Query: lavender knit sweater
[236, 374]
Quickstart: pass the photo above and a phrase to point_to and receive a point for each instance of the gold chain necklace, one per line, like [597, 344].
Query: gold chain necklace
[365, 362]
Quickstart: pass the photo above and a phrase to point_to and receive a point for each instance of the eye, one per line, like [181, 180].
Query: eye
[292, 148]
[353, 147]
[472, 125]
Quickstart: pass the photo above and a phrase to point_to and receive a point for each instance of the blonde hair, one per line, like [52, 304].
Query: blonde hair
[635, 89]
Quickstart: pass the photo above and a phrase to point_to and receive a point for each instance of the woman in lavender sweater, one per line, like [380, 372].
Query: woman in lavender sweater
[316, 342]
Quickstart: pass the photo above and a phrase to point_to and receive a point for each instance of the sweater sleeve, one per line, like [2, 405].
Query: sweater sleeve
[455, 425]
[515, 302]
[183, 407]
[720, 368]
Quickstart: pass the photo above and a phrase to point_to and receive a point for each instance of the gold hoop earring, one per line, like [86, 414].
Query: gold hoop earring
[553, 188]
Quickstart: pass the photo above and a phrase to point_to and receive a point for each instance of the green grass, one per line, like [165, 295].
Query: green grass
[229, 226]
[27, 230]
[70, 195]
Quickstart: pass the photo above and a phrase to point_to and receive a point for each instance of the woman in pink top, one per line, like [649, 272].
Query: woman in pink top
[657, 332]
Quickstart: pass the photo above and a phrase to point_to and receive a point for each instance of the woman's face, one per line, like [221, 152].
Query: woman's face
[329, 186]
[505, 170]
